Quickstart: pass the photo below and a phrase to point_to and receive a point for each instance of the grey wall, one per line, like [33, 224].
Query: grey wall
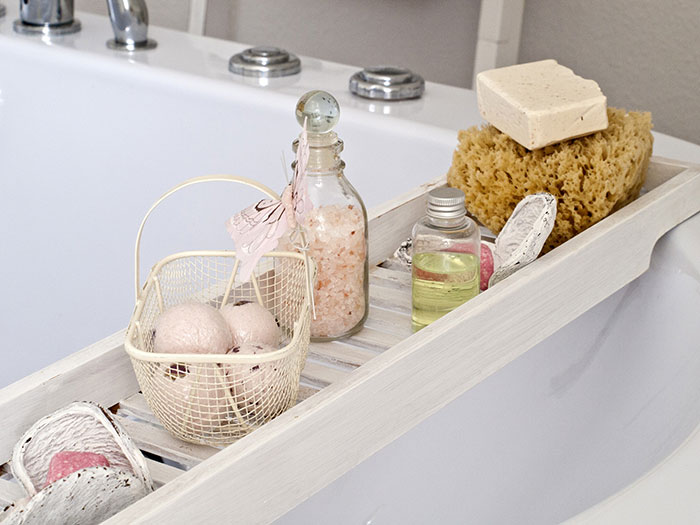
[434, 37]
[645, 54]
[166, 13]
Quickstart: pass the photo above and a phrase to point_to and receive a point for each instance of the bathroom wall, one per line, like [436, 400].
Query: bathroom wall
[166, 13]
[644, 53]
[436, 38]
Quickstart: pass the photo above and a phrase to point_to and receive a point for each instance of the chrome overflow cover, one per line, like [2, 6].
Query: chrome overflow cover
[264, 61]
[387, 83]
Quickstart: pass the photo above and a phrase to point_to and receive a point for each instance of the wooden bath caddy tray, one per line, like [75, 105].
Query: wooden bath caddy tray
[360, 394]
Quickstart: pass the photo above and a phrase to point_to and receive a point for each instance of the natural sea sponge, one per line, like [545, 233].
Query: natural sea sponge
[591, 176]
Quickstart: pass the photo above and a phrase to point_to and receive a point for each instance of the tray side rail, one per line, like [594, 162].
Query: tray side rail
[101, 373]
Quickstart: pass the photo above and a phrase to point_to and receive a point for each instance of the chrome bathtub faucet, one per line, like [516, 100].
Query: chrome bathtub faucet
[130, 24]
[47, 17]
[129, 20]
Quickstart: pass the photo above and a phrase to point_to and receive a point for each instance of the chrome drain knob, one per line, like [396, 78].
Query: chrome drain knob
[264, 61]
[387, 83]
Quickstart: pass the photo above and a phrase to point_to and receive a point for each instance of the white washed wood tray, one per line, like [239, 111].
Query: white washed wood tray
[360, 394]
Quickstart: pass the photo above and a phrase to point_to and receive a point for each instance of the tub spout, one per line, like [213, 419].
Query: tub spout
[130, 24]
[55, 17]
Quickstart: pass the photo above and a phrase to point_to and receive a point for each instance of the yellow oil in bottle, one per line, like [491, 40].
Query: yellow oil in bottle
[441, 282]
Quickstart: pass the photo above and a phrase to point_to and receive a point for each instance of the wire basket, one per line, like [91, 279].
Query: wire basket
[215, 399]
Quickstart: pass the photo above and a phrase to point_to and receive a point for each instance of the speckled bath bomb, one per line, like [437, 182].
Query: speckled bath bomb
[258, 388]
[193, 395]
[191, 328]
[251, 323]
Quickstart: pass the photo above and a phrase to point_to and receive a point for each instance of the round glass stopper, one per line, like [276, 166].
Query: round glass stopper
[320, 108]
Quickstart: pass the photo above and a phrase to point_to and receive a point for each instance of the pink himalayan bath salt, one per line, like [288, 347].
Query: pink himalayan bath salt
[336, 235]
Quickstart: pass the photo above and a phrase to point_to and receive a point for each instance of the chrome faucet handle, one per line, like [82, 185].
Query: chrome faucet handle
[2, 10]
[130, 24]
[48, 17]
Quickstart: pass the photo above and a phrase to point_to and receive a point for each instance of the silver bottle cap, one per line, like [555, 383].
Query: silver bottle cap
[446, 203]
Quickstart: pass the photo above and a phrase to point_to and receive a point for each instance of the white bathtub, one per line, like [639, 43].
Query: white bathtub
[90, 138]
[575, 419]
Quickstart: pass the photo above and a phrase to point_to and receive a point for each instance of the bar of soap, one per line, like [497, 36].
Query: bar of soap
[540, 103]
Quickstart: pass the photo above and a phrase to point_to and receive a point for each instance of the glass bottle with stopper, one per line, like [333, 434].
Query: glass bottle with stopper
[446, 255]
[336, 227]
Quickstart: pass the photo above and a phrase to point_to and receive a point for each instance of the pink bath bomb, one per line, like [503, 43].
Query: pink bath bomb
[251, 323]
[191, 328]
[67, 462]
[194, 396]
[486, 265]
[258, 388]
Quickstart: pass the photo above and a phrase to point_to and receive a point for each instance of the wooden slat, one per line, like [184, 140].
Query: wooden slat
[340, 354]
[390, 278]
[135, 406]
[158, 441]
[388, 321]
[162, 473]
[315, 373]
[101, 372]
[373, 339]
[305, 392]
[391, 299]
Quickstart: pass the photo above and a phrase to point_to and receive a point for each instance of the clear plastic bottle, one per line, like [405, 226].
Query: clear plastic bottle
[446, 255]
[336, 227]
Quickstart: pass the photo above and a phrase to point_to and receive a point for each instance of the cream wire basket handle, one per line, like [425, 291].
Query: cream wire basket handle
[189, 182]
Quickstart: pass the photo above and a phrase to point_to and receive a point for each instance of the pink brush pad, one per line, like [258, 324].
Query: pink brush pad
[485, 262]
[486, 266]
[67, 462]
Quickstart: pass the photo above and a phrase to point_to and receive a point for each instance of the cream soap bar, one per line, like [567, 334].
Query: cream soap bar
[540, 103]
